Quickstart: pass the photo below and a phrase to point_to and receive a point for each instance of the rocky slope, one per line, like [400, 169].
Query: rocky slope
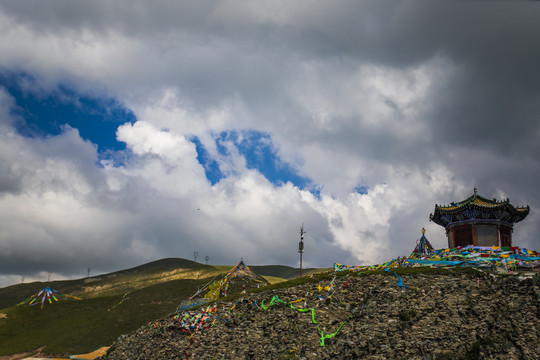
[442, 315]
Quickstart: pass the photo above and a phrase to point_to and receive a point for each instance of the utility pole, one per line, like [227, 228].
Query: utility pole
[207, 258]
[301, 246]
[195, 255]
[89, 269]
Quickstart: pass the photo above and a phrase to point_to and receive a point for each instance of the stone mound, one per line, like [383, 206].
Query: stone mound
[436, 316]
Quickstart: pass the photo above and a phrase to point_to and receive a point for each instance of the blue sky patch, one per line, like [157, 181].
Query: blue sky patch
[361, 189]
[40, 112]
[211, 167]
[260, 153]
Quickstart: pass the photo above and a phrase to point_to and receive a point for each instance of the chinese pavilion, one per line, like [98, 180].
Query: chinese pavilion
[479, 221]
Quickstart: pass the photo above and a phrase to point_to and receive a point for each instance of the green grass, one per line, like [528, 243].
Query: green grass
[274, 279]
[71, 326]
[12, 295]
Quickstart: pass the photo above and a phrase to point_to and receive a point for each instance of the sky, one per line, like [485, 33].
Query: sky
[132, 131]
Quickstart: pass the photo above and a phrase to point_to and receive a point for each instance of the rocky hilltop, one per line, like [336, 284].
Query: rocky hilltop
[436, 314]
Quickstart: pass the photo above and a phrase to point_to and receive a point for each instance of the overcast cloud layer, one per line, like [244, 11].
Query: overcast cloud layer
[249, 119]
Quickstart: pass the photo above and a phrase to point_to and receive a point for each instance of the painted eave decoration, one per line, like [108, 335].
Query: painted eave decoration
[477, 207]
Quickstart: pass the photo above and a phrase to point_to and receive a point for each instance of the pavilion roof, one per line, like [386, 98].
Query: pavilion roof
[478, 207]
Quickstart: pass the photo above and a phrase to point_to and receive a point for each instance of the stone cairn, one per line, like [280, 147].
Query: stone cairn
[434, 314]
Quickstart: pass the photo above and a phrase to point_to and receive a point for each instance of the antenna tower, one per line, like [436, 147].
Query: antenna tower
[301, 246]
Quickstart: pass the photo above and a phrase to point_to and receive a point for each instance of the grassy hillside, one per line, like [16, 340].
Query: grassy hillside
[12, 295]
[116, 283]
[113, 304]
[74, 326]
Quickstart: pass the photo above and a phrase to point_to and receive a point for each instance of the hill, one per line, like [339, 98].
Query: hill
[458, 313]
[115, 283]
[112, 304]
[281, 271]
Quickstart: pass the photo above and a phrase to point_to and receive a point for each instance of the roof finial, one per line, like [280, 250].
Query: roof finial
[423, 231]
[475, 191]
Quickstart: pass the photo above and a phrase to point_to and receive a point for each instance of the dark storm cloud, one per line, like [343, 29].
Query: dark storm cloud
[493, 96]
